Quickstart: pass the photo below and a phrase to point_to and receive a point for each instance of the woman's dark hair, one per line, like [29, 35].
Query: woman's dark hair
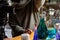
[3, 2]
[5, 36]
[15, 1]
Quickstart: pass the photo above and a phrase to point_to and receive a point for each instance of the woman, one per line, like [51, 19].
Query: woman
[24, 15]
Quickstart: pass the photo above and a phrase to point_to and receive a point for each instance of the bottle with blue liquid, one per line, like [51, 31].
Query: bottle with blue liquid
[51, 33]
[58, 34]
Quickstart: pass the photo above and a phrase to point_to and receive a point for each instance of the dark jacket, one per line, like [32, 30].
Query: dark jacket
[22, 18]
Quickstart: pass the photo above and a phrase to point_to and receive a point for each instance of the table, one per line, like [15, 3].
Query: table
[19, 37]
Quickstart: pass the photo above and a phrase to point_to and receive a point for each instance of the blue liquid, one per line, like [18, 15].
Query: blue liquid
[57, 36]
[51, 33]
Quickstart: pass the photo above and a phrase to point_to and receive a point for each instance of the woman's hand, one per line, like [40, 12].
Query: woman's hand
[29, 31]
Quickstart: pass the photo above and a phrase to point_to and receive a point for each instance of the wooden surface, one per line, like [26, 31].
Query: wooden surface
[19, 37]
